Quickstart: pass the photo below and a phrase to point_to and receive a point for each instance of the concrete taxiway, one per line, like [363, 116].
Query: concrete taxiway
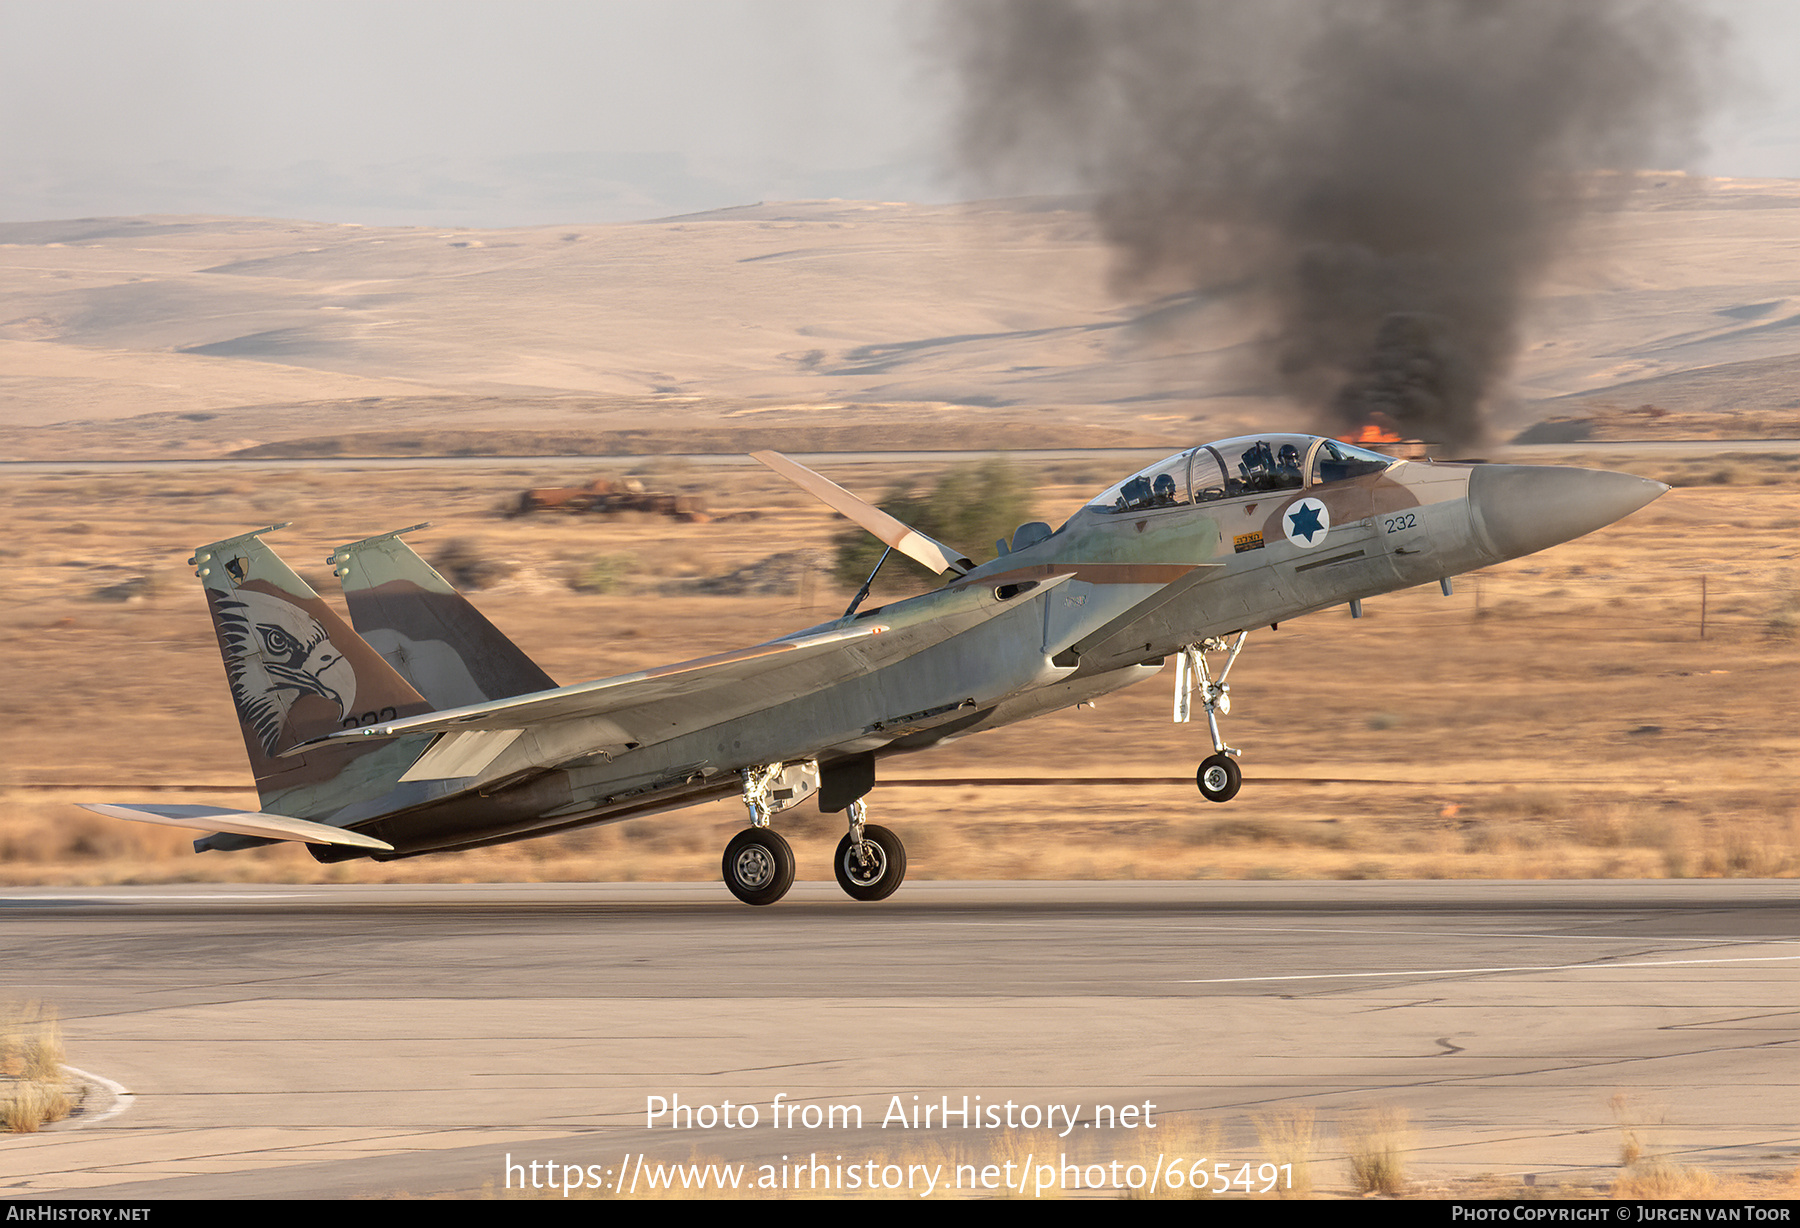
[345, 1041]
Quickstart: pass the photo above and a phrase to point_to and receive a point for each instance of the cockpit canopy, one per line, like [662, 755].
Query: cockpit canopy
[1247, 464]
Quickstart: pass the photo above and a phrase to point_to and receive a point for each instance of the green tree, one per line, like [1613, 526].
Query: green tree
[968, 508]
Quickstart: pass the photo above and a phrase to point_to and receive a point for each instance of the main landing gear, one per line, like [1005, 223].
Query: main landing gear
[1218, 778]
[758, 866]
[870, 861]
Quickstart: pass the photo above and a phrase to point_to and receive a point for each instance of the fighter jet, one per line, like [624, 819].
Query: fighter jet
[426, 730]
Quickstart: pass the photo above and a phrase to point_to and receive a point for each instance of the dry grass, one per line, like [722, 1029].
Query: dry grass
[1661, 1177]
[27, 1107]
[1376, 1140]
[33, 1088]
[1286, 1135]
[30, 1042]
[1185, 1147]
[1644, 1173]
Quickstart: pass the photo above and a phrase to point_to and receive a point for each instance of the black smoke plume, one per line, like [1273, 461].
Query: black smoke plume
[1385, 179]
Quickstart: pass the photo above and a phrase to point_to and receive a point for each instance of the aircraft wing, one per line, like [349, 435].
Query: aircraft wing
[653, 705]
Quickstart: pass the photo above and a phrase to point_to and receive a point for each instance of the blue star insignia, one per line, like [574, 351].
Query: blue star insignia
[1305, 522]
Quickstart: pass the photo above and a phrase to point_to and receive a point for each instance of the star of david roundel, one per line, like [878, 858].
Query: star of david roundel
[1306, 522]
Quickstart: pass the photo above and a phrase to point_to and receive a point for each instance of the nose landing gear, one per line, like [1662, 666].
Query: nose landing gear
[1218, 778]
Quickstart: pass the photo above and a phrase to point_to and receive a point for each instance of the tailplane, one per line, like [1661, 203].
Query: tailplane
[239, 823]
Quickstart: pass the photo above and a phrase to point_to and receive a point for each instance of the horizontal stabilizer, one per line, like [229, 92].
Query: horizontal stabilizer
[240, 822]
[931, 553]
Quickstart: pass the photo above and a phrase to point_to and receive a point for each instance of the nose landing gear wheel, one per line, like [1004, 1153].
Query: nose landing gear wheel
[758, 866]
[875, 870]
[1219, 778]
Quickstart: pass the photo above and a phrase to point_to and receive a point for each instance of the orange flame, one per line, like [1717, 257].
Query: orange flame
[1373, 434]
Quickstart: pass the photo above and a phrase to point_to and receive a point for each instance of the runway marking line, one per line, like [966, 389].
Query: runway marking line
[1087, 923]
[94, 897]
[122, 1099]
[1343, 976]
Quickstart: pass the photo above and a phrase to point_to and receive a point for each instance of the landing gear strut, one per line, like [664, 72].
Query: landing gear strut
[1218, 777]
[870, 861]
[759, 865]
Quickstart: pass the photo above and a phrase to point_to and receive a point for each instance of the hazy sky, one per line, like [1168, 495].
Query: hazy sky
[534, 111]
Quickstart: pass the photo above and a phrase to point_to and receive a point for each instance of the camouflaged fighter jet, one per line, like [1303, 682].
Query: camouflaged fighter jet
[430, 731]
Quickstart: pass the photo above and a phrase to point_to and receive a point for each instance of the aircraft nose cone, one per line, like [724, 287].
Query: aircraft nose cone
[1525, 508]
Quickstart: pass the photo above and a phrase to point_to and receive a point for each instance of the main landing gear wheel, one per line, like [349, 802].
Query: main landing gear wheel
[875, 869]
[758, 866]
[1219, 778]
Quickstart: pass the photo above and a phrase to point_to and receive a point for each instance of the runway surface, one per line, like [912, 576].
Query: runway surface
[349, 1041]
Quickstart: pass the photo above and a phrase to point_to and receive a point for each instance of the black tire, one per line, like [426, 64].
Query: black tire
[876, 874]
[758, 866]
[1219, 778]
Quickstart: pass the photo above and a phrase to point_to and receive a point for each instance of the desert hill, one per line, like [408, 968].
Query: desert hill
[990, 323]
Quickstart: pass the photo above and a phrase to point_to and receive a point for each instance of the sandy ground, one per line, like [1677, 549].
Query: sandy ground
[984, 324]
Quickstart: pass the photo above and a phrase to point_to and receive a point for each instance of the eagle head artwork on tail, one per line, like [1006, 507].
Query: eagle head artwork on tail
[276, 653]
[298, 672]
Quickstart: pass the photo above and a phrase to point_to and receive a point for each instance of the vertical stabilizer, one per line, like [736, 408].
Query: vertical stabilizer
[427, 630]
[297, 672]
